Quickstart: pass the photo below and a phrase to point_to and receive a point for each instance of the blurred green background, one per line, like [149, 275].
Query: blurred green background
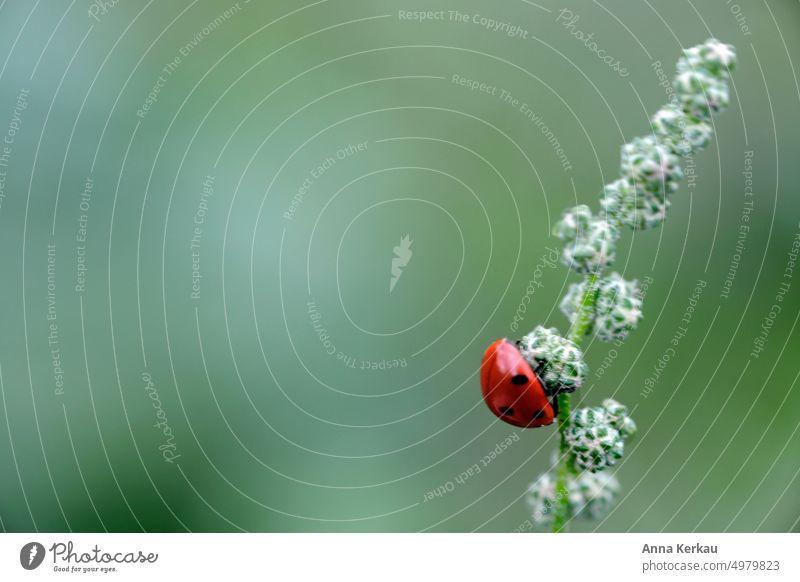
[204, 338]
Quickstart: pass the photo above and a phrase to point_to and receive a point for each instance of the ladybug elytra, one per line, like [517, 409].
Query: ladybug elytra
[511, 389]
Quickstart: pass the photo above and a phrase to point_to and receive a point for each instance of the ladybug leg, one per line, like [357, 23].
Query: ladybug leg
[554, 404]
[540, 367]
[539, 371]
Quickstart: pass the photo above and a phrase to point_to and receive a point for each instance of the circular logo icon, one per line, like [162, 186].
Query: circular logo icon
[31, 555]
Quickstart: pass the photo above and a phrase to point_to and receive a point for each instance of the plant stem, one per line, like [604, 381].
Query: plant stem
[581, 327]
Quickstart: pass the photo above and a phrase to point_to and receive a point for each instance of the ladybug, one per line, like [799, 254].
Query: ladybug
[512, 390]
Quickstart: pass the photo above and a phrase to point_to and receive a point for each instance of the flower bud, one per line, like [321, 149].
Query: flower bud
[598, 491]
[558, 361]
[573, 221]
[573, 301]
[716, 57]
[541, 499]
[589, 496]
[594, 443]
[651, 167]
[633, 207]
[683, 134]
[700, 94]
[590, 241]
[617, 416]
[618, 307]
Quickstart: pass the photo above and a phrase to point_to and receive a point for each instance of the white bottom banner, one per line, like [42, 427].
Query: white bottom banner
[378, 557]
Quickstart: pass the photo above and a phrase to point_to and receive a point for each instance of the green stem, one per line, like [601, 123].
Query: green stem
[581, 327]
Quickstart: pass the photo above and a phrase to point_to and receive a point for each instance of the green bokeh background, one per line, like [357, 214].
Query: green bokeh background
[273, 432]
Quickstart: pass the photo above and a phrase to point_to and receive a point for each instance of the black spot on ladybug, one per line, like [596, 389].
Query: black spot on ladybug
[506, 411]
[519, 379]
[539, 414]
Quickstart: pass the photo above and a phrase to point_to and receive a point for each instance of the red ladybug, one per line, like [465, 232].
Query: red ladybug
[511, 390]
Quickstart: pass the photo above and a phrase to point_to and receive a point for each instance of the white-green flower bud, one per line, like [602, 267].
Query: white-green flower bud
[589, 496]
[713, 56]
[541, 499]
[590, 241]
[558, 361]
[682, 134]
[615, 197]
[598, 492]
[595, 435]
[647, 211]
[592, 440]
[617, 416]
[573, 301]
[633, 207]
[617, 311]
[700, 94]
[573, 222]
[615, 411]
[618, 307]
[651, 166]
